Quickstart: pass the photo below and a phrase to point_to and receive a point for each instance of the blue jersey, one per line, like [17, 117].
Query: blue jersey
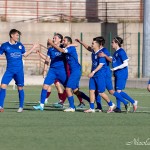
[72, 58]
[105, 51]
[118, 58]
[13, 53]
[96, 61]
[57, 58]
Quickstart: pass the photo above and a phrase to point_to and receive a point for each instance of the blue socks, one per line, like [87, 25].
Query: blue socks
[110, 103]
[92, 105]
[118, 103]
[21, 98]
[43, 96]
[126, 96]
[119, 97]
[71, 101]
[2, 96]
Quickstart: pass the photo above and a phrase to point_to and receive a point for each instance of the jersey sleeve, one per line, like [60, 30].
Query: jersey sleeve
[102, 60]
[23, 49]
[123, 55]
[48, 52]
[2, 49]
[69, 49]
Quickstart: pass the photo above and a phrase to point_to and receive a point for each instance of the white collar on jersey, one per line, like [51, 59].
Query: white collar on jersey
[99, 50]
[12, 43]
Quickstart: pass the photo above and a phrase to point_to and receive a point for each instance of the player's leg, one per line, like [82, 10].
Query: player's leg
[48, 94]
[101, 85]
[7, 77]
[72, 84]
[98, 102]
[92, 88]
[19, 81]
[120, 86]
[49, 80]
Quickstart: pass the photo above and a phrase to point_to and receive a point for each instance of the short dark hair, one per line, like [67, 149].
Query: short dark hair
[100, 40]
[69, 39]
[13, 31]
[60, 36]
[118, 40]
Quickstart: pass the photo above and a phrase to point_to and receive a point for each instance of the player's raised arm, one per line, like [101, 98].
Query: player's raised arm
[55, 46]
[27, 53]
[84, 44]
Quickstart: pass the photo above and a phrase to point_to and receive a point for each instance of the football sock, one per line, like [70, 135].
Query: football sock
[21, 98]
[79, 98]
[71, 101]
[2, 96]
[126, 96]
[91, 105]
[98, 100]
[110, 103]
[119, 97]
[48, 94]
[43, 96]
[82, 95]
[118, 104]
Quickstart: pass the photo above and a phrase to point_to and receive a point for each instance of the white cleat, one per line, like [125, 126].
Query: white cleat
[69, 109]
[135, 106]
[20, 110]
[111, 108]
[90, 111]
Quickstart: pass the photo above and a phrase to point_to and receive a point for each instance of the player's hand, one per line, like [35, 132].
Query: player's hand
[35, 45]
[77, 40]
[50, 41]
[101, 54]
[91, 75]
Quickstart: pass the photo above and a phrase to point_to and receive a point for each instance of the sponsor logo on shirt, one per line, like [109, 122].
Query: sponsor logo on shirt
[57, 53]
[15, 55]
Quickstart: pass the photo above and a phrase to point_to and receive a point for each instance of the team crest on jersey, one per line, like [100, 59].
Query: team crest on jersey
[116, 54]
[95, 56]
[20, 47]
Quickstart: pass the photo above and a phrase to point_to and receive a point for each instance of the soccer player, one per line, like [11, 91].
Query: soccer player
[120, 69]
[72, 85]
[14, 51]
[148, 86]
[105, 53]
[56, 69]
[98, 75]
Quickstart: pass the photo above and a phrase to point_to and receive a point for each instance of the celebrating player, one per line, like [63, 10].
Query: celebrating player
[14, 51]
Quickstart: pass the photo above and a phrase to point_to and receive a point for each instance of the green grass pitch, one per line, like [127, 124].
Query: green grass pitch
[53, 129]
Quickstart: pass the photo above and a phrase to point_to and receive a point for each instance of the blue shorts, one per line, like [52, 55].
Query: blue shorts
[97, 83]
[74, 79]
[55, 73]
[109, 85]
[17, 76]
[120, 83]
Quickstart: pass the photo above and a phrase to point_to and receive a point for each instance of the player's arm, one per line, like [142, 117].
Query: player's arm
[41, 54]
[55, 46]
[108, 58]
[97, 69]
[73, 44]
[84, 44]
[27, 53]
[123, 65]
[47, 60]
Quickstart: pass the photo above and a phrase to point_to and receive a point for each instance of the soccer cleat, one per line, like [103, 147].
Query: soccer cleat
[38, 107]
[127, 108]
[117, 110]
[135, 106]
[90, 111]
[1, 109]
[20, 110]
[111, 108]
[81, 105]
[98, 110]
[69, 109]
[58, 105]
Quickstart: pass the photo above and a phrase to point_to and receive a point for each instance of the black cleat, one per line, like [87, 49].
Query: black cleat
[117, 110]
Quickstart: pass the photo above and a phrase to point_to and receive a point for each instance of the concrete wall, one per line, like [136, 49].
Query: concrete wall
[40, 32]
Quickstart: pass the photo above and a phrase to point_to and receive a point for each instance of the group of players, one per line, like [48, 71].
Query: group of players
[65, 69]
